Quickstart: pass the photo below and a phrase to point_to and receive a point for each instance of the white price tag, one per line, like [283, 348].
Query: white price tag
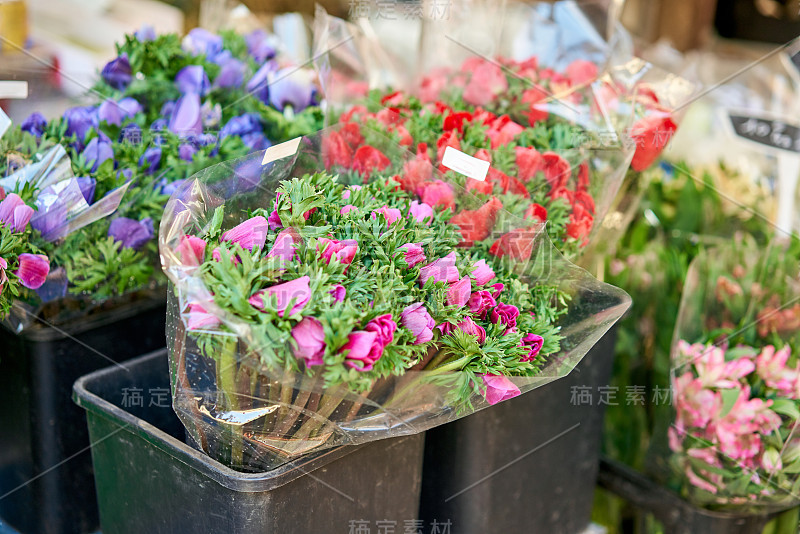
[467, 165]
[283, 150]
[13, 89]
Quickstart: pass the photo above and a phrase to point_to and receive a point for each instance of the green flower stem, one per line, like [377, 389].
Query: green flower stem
[226, 372]
[454, 365]
[301, 401]
[327, 405]
[786, 523]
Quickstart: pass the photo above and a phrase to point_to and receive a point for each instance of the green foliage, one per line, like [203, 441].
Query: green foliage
[378, 282]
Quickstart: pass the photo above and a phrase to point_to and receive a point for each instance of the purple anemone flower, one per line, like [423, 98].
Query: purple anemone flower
[258, 85]
[186, 118]
[79, 121]
[150, 160]
[186, 152]
[291, 87]
[145, 33]
[231, 74]
[117, 73]
[192, 79]
[199, 41]
[242, 125]
[97, 152]
[260, 45]
[34, 124]
[131, 233]
[116, 112]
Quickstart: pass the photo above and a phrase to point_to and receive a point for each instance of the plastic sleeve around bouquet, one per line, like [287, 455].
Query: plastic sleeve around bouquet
[60, 209]
[733, 443]
[339, 334]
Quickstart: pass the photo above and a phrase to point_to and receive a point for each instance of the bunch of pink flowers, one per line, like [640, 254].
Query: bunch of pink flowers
[736, 411]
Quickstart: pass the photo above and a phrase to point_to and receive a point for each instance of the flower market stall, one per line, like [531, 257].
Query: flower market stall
[406, 266]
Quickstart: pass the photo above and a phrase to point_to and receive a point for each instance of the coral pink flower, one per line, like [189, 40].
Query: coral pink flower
[438, 193]
[295, 292]
[413, 254]
[476, 225]
[442, 270]
[192, 250]
[581, 72]
[417, 319]
[529, 162]
[390, 214]
[482, 273]
[459, 292]
[335, 151]
[535, 101]
[503, 130]
[651, 134]
[345, 251]
[33, 270]
[250, 234]
[771, 367]
[309, 336]
[368, 159]
[417, 171]
[498, 388]
[486, 82]
[199, 318]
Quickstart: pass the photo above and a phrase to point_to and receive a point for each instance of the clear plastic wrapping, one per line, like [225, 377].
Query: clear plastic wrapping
[528, 80]
[733, 444]
[264, 371]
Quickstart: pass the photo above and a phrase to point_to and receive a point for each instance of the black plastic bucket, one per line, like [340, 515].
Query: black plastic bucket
[677, 515]
[46, 481]
[525, 465]
[149, 480]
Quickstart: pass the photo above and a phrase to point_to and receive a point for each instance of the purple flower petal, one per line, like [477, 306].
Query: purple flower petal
[291, 87]
[186, 152]
[87, 186]
[131, 233]
[79, 121]
[258, 85]
[97, 152]
[192, 79]
[117, 73]
[186, 117]
[145, 33]
[259, 45]
[202, 42]
[35, 124]
[150, 160]
[231, 74]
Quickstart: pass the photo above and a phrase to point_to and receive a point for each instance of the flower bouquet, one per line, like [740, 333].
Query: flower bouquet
[736, 384]
[168, 108]
[555, 137]
[319, 303]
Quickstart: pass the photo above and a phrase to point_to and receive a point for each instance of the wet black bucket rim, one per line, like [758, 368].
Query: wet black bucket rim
[223, 475]
[43, 332]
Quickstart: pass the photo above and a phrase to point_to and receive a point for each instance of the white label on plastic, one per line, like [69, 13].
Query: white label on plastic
[13, 89]
[464, 164]
[288, 148]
